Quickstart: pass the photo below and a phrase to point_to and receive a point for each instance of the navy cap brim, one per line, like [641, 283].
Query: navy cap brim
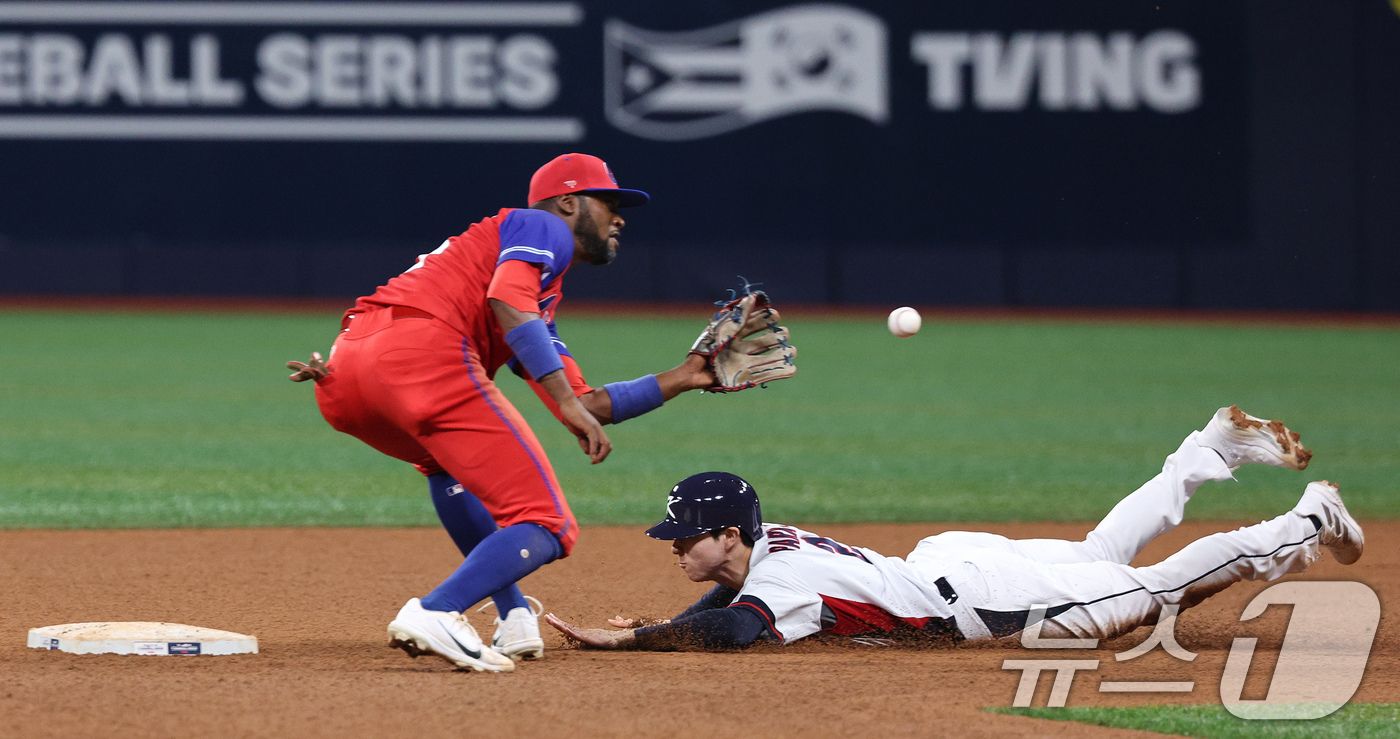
[670, 530]
[625, 198]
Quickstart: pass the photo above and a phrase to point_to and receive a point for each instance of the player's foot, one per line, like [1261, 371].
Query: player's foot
[518, 634]
[446, 634]
[1239, 438]
[1339, 532]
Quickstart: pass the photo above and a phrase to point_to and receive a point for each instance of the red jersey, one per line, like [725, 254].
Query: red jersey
[453, 281]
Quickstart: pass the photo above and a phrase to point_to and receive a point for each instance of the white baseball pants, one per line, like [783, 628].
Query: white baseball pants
[1088, 587]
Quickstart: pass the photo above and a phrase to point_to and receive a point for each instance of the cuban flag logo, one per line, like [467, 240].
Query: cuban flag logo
[697, 84]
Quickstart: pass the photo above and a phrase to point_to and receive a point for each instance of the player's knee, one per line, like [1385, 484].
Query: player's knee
[559, 533]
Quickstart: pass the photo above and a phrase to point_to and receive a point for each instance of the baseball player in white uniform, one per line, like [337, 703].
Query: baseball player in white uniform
[781, 583]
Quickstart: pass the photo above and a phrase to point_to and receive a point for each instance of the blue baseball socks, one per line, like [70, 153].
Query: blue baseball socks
[494, 564]
[468, 522]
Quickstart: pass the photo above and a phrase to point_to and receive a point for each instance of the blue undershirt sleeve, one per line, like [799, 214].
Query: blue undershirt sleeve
[716, 628]
[718, 597]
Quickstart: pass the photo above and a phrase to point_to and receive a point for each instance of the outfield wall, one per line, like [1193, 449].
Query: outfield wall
[1185, 154]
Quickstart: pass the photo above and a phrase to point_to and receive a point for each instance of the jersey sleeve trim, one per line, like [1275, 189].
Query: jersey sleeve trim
[528, 250]
[762, 609]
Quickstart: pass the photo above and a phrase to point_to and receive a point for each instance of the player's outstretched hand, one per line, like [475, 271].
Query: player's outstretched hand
[312, 370]
[591, 437]
[595, 638]
[623, 622]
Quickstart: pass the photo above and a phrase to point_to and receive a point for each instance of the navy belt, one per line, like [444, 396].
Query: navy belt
[945, 627]
[999, 623]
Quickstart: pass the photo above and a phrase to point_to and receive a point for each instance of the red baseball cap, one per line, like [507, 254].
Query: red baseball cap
[580, 173]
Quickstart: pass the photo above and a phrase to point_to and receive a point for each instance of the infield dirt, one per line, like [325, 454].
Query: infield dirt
[319, 599]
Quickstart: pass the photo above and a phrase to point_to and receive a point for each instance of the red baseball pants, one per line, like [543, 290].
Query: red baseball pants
[415, 389]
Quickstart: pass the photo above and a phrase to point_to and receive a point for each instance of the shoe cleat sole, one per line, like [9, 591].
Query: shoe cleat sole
[518, 652]
[416, 648]
[408, 643]
[1295, 455]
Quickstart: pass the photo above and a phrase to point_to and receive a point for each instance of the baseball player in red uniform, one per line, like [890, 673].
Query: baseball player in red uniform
[411, 375]
[781, 583]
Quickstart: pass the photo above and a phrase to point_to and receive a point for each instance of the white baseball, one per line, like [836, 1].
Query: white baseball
[905, 322]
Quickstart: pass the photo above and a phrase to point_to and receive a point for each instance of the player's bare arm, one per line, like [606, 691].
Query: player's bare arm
[692, 374]
[591, 437]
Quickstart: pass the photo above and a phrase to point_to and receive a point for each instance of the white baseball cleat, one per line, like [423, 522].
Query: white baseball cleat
[1339, 532]
[518, 635]
[446, 634]
[1239, 437]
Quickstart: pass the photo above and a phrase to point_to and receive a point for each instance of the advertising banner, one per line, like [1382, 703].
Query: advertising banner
[782, 124]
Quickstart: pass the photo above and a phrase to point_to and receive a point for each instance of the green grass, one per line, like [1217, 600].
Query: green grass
[1354, 721]
[133, 419]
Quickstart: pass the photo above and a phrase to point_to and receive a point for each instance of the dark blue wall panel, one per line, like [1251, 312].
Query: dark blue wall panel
[1378, 156]
[997, 153]
[935, 274]
[61, 269]
[1099, 277]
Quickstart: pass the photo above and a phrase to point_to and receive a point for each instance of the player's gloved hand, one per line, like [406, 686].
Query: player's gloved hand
[312, 370]
[596, 638]
[591, 437]
[623, 622]
[744, 346]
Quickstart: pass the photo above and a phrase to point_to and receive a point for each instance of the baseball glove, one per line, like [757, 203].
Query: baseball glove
[744, 346]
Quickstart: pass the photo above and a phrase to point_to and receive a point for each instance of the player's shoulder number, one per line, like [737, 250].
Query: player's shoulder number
[784, 539]
[421, 257]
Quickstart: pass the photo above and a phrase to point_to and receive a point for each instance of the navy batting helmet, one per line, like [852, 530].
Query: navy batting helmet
[708, 501]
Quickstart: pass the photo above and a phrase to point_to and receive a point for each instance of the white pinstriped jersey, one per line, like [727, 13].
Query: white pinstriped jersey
[802, 583]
